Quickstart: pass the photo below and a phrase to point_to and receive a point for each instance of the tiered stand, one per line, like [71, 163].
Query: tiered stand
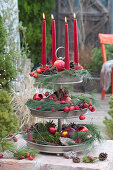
[59, 115]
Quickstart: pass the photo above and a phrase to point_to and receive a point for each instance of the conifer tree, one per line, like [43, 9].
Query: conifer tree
[31, 16]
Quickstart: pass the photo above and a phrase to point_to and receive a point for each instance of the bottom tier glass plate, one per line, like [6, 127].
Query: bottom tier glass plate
[58, 149]
[57, 114]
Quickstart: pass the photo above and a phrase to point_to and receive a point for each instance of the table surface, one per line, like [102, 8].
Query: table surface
[54, 162]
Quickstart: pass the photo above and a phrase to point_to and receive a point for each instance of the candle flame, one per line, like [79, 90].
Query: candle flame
[43, 15]
[65, 19]
[52, 16]
[74, 15]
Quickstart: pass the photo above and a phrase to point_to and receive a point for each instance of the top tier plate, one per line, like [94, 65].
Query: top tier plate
[65, 80]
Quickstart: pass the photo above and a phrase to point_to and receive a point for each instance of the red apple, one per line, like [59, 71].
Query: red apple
[15, 139]
[68, 99]
[31, 74]
[76, 107]
[60, 65]
[82, 117]
[35, 75]
[66, 109]
[72, 108]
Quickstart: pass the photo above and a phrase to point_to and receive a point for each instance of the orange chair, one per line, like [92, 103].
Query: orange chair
[105, 39]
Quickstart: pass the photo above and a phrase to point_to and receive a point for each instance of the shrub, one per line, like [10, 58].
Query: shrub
[7, 69]
[8, 120]
[31, 16]
[109, 122]
[96, 64]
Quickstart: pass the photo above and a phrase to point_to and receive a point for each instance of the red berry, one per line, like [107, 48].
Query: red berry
[71, 73]
[90, 107]
[82, 117]
[10, 135]
[46, 94]
[31, 74]
[86, 105]
[52, 129]
[28, 155]
[50, 98]
[66, 109]
[72, 108]
[1, 155]
[15, 139]
[53, 109]
[91, 158]
[76, 107]
[38, 107]
[93, 109]
[62, 102]
[31, 157]
[35, 75]
[78, 67]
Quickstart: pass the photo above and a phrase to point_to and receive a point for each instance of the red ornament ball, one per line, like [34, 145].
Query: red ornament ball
[52, 129]
[60, 65]
[82, 129]
[31, 74]
[82, 117]
[35, 75]
[66, 109]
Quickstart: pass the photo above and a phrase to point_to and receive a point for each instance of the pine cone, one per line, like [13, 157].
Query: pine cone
[103, 156]
[72, 65]
[49, 124]
[76, 160]
[74, 125]
[54, 70]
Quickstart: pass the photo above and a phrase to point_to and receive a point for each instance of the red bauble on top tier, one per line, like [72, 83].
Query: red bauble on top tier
[59, 64]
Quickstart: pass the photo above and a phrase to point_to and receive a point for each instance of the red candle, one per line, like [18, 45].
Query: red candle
[53, 40]
[76, 58]
[66, 45]
[44, 42]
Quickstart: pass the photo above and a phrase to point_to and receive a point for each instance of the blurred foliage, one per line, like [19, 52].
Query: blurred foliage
[7, 68]
[8, 121]
[31, 16]
[95, 66]
[109, 122]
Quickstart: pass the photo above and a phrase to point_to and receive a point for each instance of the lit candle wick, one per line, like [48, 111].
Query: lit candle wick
[43, 15]
[65, 19]
[52, 17]
[74, 15]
